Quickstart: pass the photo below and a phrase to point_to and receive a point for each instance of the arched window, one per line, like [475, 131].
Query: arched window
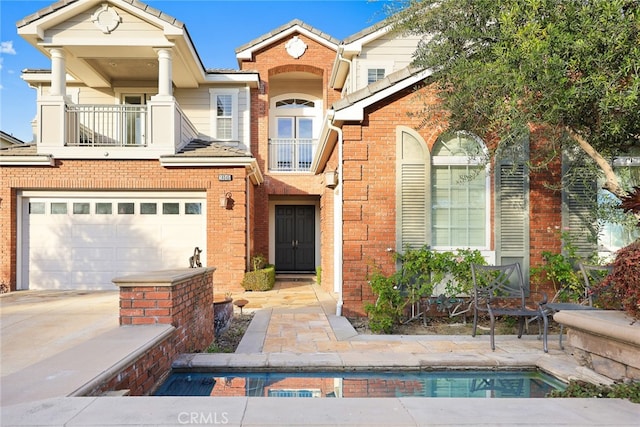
[294, 103]
[459, 193]
[295, 122]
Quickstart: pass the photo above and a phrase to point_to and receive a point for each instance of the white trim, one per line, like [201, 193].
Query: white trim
[213, 93]
[246, 120]
[302, 201]
[27, 161]
[355, 47]
[247, 54]
[315, 113]
[113, 194]
[252, 79]
[356, 110]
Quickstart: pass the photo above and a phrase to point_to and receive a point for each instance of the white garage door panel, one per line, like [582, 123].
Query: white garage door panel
[52, 279]
[138, 254]
[86, 251]
[92, 231]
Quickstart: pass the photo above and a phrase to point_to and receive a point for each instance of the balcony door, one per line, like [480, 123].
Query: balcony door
[295, 238]
[133, 119]
[294, 142]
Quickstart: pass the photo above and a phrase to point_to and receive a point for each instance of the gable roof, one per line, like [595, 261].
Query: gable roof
[63, 3]
[352, 106]
[91, 65]
[10, 139]
[24, 155]
[246, 51]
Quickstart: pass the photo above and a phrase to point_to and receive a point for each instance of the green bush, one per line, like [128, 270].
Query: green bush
[422, 269]
[385, 314]
[629, 391]
[260, 280]
[319, 275]
[622, 286]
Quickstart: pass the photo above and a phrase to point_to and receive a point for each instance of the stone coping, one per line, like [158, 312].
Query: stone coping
[301, 412]
[161, 277]
[612, 324]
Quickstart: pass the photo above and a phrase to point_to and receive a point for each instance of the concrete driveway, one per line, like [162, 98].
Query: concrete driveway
[36, 325]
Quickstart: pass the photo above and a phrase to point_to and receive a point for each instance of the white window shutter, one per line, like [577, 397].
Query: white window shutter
[413, 225]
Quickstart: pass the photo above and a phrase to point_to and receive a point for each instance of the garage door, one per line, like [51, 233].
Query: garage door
[82, 241]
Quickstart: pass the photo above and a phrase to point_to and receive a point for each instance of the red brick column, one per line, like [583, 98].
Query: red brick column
[182, 298]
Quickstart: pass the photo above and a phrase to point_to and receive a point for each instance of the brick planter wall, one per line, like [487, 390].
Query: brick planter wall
[182, 298]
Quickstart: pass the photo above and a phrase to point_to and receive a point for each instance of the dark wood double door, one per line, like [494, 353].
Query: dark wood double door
[295, 238]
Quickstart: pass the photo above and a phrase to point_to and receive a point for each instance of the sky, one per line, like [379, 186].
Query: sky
[217, 28]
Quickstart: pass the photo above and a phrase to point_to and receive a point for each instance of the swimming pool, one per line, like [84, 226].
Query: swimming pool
[359, 384]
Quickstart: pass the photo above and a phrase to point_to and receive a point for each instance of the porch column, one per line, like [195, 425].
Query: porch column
[165, 73]
[58, 73]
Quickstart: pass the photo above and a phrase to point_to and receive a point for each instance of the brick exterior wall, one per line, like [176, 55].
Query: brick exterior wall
[270, 62]
[226, 239]
[370, 193]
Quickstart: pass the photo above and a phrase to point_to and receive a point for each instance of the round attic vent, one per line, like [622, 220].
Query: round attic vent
[106, 18]
[295, 47]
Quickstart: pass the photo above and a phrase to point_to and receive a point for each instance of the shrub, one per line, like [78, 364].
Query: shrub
[385, 313]
[622, 286]
[629, 391]
[422, 269]
[260, 280]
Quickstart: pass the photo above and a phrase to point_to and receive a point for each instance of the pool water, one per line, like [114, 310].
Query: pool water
[480, 384]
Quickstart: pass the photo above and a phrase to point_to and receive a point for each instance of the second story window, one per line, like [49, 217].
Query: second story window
[374, 74]
[293, 130]
[224, 117]
[224, 110]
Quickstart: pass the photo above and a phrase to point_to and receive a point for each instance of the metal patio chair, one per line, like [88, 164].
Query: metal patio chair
[592, 275]
[499, 291]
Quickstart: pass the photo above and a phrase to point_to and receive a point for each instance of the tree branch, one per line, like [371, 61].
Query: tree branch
[611, 181]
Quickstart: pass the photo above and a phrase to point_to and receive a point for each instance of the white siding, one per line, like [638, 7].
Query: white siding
[391, 52]
[80, 27]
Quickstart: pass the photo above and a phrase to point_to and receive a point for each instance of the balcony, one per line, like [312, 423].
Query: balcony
[291, 154]
[123, 131]
[106, 125]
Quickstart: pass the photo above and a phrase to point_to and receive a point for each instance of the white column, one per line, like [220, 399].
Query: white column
[165, 73]
[58, 72]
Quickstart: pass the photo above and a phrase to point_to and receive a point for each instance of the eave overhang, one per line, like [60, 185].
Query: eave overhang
[249, 163]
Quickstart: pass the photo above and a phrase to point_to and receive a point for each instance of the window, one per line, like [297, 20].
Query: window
[292, 129]
[58, 208]
[294, 103]
[81, 208]
[148, 208]
[443, 194]
[170, 208]
[104, 208]
[36, 208]
[224, 106]
[374, 74]
[458, 193]
[193, 208]
[618, 229]
[126, 208]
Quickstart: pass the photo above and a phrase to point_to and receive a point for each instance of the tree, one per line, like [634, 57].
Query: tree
[503, 65]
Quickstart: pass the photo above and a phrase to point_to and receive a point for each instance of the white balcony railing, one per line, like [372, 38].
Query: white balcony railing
[291, 154]
[106, 125]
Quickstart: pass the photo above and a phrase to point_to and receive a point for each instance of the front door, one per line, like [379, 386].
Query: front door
[295, 238]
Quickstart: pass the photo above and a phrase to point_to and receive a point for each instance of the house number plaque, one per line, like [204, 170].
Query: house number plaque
[225, 177]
